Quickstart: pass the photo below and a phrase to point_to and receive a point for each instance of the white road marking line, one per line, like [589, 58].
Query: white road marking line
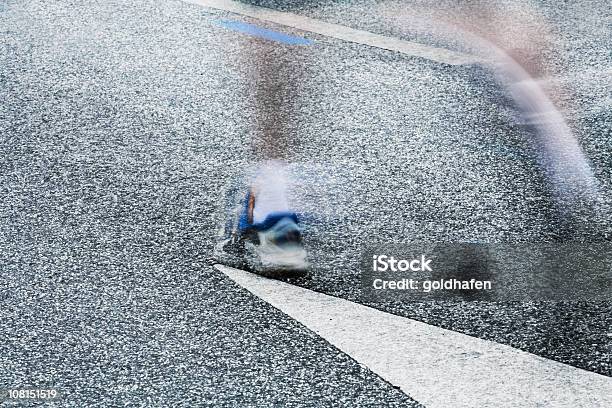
[341, 32]
[437, 367]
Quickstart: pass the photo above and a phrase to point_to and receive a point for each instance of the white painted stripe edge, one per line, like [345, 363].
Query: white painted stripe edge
[435, 366]
[341, 32]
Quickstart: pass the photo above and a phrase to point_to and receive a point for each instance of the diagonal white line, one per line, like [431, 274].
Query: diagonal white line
[437, 367]
[341, 32]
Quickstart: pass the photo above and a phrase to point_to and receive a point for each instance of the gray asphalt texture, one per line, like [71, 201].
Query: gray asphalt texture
[463, 173]
[122, 124]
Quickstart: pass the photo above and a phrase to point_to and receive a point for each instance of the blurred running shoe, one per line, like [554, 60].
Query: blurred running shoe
[272, 248]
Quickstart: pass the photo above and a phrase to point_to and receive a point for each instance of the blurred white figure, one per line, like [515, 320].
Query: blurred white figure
[266, 235]
[515, 38]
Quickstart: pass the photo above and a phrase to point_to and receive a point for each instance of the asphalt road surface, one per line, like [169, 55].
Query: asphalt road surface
[123, 122]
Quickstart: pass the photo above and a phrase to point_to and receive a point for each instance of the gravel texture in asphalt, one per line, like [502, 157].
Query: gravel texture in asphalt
[122, 124]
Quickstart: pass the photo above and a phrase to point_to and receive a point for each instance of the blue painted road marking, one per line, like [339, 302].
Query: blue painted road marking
[263, 33]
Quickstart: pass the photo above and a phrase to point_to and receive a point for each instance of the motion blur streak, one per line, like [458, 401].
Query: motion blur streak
[516, 43]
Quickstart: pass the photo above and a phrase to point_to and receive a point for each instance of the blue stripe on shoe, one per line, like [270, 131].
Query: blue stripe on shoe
[243, 221]
[269, 222]
[273, 218]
